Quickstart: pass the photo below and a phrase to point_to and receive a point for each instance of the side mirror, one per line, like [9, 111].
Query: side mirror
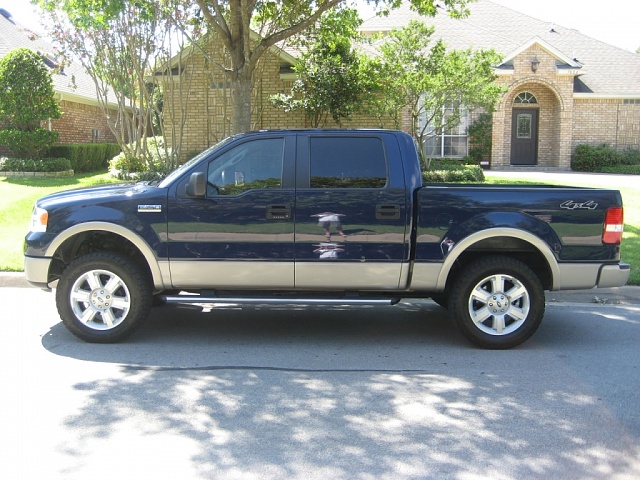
[197, 186]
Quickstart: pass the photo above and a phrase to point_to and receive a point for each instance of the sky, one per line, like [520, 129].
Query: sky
[614, 21]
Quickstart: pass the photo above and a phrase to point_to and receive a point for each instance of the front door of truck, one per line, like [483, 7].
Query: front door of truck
[351, 213]
[240, 235]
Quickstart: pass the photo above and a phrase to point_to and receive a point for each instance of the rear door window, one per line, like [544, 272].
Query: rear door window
[347, 162]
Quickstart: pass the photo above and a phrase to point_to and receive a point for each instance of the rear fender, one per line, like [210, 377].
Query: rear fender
[463, 245]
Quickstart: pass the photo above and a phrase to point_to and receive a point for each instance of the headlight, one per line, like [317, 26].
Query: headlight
[39, 219]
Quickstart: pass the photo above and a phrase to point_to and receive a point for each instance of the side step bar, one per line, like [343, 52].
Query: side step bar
[280, 300]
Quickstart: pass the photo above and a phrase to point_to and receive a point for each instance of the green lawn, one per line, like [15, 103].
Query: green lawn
[17, 197]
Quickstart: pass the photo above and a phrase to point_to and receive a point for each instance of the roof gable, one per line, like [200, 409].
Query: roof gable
[554, 52]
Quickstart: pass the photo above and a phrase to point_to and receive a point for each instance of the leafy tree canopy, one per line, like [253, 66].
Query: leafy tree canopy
[329, 79]
[423, 78]
[26, 91]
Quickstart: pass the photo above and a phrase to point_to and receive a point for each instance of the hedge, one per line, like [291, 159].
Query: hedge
[86, 157]
[604, 159]
[31, 165]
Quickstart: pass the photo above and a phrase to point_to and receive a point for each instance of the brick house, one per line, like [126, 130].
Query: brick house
[562, 89]
[82, 119]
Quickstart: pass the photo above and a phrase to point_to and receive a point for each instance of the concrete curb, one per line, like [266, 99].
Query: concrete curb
[13, 280]
[628, 295]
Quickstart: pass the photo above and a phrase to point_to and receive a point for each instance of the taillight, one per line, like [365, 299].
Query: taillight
[613, 226]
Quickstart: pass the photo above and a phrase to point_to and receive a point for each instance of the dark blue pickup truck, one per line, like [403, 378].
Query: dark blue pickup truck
[321, 216]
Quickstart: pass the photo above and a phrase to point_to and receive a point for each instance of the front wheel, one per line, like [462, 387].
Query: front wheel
[498, 302]
[103, 297]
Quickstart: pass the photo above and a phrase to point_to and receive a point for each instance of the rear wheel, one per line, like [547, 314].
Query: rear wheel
[103, 297]
[498, 302]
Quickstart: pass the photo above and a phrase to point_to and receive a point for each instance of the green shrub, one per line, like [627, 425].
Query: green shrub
[86, 157]
[34, 165]
[603, 158]
[156, 165]
[26, 99]
[27, 144]
[459, 174]
[630, 157]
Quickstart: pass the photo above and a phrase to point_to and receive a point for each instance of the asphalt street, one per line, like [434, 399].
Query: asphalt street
[231, 392]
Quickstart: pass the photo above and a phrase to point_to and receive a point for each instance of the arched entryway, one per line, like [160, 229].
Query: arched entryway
[536, 128]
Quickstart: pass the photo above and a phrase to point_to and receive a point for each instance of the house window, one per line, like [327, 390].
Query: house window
[450, 141]
[525, 98]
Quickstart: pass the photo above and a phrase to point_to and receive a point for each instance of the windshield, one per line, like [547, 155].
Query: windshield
[178, 171]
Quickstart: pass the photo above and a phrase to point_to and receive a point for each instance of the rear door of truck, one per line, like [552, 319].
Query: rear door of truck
[351, 212]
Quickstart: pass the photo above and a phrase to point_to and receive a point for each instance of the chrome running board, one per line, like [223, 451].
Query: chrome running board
[279, 300]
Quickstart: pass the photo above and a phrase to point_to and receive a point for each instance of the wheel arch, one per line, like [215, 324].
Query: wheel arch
[71, 243]
[519, 244]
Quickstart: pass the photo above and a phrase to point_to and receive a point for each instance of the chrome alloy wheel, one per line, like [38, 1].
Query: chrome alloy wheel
[499, 304]
[100, 299]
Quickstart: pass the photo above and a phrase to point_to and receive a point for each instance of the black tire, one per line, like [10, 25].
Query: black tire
[441, 299]
[497, 302]
[103, 297]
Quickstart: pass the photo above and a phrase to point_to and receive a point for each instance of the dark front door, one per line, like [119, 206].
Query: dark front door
[524, 137]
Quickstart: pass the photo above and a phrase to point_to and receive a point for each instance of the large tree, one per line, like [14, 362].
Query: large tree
[275, 21]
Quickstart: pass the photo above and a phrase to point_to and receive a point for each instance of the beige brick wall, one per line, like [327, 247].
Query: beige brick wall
[206, 103]
[606, 121]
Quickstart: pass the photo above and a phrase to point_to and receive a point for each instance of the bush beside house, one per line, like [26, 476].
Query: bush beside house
[86, 157]
[26, 101]
[605, 159]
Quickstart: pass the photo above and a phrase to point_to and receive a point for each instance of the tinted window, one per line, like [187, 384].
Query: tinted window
[254, 164]
[347, 162]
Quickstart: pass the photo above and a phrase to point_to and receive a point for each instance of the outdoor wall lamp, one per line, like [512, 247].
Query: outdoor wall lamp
[534, 64]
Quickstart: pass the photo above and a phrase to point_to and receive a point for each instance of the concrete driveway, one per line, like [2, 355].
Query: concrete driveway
[603, 180]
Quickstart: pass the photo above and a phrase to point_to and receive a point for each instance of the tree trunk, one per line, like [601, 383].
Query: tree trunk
[241, 97]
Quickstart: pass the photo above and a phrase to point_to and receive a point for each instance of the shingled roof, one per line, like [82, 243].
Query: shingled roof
[73, 83]
[607, 71]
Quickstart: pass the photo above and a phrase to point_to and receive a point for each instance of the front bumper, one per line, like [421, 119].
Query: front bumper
[36, 271]
[613, 275]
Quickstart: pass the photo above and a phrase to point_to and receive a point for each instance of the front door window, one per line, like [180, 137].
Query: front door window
[524, 125]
